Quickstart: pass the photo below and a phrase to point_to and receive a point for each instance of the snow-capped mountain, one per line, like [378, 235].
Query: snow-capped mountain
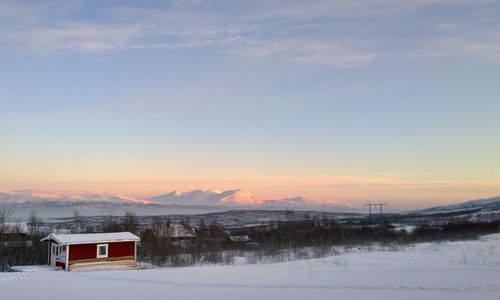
[209, 197]
[26, 196]
[66, 203]
[240, 199]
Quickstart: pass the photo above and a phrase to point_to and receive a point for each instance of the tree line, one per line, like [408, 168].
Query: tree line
[212, 243]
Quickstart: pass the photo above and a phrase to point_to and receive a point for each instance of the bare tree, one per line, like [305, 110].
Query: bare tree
[215, 239]
[4, 215]
[108, 225]
[130, 223]
[34, 226]
[78, 225]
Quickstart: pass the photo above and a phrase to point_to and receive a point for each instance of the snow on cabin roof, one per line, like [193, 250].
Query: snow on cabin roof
[89, 238]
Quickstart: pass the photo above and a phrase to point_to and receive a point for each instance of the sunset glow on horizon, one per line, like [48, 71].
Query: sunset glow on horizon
[328, 100]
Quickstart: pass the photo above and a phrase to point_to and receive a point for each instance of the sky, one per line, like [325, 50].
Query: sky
[347, 101]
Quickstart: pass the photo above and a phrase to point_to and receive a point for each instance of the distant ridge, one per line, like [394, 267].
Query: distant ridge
[488, 204]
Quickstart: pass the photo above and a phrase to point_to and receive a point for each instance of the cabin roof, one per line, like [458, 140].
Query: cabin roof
[90, 238]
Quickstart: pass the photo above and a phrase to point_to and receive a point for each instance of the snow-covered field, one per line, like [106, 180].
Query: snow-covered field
[455, 270]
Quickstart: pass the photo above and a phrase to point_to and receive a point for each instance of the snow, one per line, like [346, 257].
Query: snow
[455, 270]
[55, 204]
[86, 238]
[238, 198]
[209, 197]
[405, 227]
[25, 196]
[472, 204]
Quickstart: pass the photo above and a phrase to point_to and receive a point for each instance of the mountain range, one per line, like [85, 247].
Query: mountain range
[191, 198]
[26, 196]
[64, 203]
[209, 197]
[236, 198]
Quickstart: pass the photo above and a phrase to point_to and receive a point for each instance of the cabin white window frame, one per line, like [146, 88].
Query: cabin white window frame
[98, 252]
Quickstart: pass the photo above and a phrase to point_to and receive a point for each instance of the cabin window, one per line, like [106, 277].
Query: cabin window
[102, 250]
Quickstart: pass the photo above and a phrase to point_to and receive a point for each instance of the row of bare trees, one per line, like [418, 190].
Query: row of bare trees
[18, 245]
[210, 244]
[159, 246]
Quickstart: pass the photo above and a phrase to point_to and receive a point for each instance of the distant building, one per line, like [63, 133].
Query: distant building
[181, 231]
[239, 239]
[76, 251]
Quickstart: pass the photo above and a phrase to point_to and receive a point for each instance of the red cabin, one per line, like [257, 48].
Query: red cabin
[75, 251]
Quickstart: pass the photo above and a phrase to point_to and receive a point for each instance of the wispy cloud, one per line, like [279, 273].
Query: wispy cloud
[77, 37]
[480, 46]
[313, 52]
[328, 33]
[484, 49]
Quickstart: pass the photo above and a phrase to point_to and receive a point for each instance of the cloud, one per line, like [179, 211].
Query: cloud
[82, 37]
[446, 26]
[483, 49]
[486, 47]
[137, 28]
[311, 52]
[321, 33]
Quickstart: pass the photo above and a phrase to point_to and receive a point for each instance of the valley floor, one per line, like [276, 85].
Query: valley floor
[454, 270]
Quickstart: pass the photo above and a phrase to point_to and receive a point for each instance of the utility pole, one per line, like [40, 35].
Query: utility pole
[375, 205]
[369, 212]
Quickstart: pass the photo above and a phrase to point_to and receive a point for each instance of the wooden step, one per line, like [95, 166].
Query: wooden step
[120, 264]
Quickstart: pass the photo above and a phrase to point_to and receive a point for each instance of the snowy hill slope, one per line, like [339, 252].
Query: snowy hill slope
[489, 204]
[456, 271]
[475, 210]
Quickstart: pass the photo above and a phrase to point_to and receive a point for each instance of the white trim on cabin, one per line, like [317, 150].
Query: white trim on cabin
[99, 246]
[67, 258]
[92, 238]
[135, 251]
[49, 257]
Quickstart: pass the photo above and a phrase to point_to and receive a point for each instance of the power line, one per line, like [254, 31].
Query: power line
[375, 205]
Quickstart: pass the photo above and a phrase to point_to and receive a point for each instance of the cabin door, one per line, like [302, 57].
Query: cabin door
[53, 254]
